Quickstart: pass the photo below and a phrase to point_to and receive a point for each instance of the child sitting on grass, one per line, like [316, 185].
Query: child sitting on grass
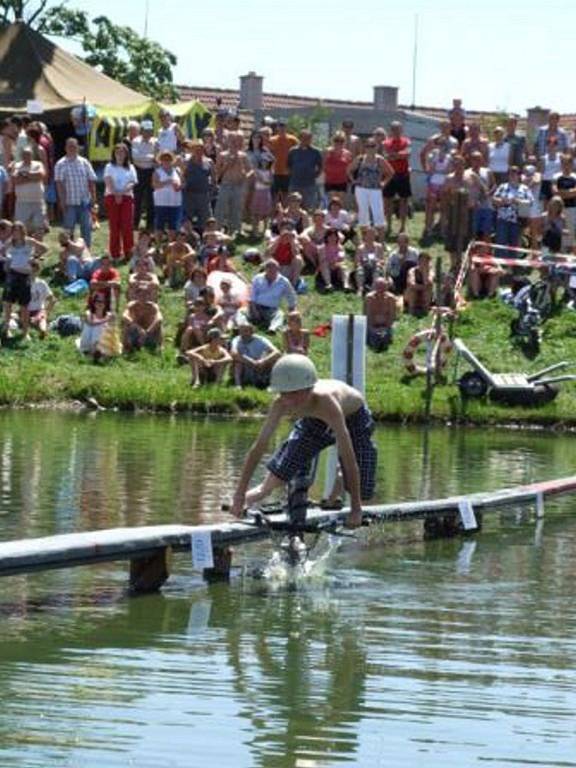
[210, 361]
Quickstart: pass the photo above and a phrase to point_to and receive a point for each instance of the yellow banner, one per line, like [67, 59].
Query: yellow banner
[110, 125]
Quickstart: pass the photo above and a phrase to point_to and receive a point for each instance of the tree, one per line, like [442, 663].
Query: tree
[118, 51]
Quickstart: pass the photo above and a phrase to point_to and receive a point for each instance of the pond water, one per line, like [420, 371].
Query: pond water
[398, 651]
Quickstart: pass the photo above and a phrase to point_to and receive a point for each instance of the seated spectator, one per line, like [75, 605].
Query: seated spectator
[106, 280]
[507, 200]
[97, 318]
[285, 249]
[221, 262]
[143, 280]
[144, 249]
[332, 263]
[141, 323]
[41, 302]
[369, 261]
[295, 213]
[253, 358]
[380, 308]
[419, 287]
[75, 260]
[196, 325]
[210, 247]
[5, 237]
[483, 279]
[312, 238]
[269, 289]
[195, 283]
[179, 262]
[229, 304]
[209, 362]
[213, 227]
[402, 259]
[338, 218]
[20, 252]
[296, 339]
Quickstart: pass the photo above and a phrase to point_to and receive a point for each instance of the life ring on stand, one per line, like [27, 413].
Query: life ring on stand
[428, 336]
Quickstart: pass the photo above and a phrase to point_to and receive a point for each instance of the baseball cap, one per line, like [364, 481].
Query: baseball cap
[147, 125]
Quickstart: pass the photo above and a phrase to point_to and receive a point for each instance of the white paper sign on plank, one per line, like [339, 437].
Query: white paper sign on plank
[467, 515]
[202, 555]
[34, 107]
[539, 504]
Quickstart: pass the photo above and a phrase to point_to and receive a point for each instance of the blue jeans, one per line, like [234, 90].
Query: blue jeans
[507, 233]
[79, 214]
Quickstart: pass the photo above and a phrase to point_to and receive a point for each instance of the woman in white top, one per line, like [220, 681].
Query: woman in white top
[170, 135]
[167, 184]
[19, 254]
[119, 180]
[499, 156]
[550, 165]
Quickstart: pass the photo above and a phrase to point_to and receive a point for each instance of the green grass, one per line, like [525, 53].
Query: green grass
[53, 371]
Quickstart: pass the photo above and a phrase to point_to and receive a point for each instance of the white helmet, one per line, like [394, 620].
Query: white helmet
[293, 372]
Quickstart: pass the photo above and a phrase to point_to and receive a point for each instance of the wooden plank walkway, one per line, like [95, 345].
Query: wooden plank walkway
[148, 548]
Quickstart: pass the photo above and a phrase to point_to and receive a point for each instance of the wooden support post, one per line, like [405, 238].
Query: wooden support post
[148, 574]
[222, 557]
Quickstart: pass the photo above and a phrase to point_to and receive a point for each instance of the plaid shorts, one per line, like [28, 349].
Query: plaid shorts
[309, 436]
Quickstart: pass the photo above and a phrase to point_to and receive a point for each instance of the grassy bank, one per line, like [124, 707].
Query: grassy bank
[53, 371]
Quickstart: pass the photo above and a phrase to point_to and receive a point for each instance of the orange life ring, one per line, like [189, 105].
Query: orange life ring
[428, 335]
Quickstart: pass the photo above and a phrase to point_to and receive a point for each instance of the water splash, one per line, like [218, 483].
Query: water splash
[281, 570]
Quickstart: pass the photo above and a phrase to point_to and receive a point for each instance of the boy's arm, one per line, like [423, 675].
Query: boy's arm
[253, 457]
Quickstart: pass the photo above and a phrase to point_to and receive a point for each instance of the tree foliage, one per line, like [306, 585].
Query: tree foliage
[118, 51]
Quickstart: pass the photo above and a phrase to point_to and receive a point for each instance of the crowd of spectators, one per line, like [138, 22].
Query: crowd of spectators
[195, 205]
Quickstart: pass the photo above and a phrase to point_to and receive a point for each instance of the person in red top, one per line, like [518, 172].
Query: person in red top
[397, 151]
[285, 249]
[106, 282]
[337, 159]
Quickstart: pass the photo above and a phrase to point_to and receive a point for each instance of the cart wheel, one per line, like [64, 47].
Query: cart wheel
[540, 395]
[471, 384]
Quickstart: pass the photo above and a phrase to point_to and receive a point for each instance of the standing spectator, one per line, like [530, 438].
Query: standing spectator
[170, 135]
[280, 146]
[232, 171]
[516, 141]
[28, 178]
[442, 140]
[305, 165]
[457, 117]
[438, 166]
[198, 186]
[371, 173]
[352, 142]
[167, 185]
[551, 131]
[532, 178]
[8, 136]
[483, 223]
[144, 149]
[550, 165]
[337, 159]
[76, 190]
[507, 199]
[499, 152]
[564, 186]
[379, 136]
[261, 160]
[475, 143]
[397, 152]
[17, 290]
[119, 181]
[253, 357]
[269, 289]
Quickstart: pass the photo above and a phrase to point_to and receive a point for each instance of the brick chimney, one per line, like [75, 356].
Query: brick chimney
[385, 98]
[251, 91]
